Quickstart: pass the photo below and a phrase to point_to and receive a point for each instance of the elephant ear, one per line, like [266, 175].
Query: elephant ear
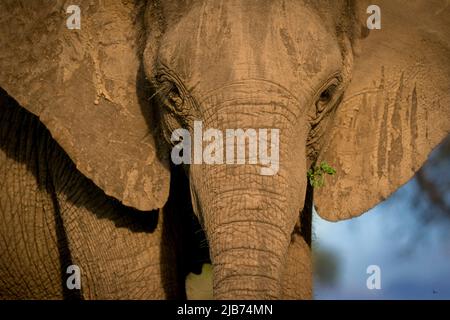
[394, 112]
[86, 86]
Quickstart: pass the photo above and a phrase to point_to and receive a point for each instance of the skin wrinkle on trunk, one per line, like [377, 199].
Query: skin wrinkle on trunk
[266, 260]
[264, 244]
[257, 221]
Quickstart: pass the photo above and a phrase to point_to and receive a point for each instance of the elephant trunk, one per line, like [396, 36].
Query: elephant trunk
[248, 254]
[248, 224]
[249, 217]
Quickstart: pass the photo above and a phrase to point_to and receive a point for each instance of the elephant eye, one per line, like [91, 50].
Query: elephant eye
[170, 94]
[174, 97]
[326, 96]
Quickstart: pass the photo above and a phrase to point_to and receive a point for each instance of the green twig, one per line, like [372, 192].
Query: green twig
[316, 175]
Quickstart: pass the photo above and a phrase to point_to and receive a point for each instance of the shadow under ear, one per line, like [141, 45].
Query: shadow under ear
[61, 173]
[149, 108]
[137, 221]
[306, 215]
[183, 237]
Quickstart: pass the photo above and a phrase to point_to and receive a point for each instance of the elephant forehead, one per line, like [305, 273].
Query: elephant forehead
[280, 41]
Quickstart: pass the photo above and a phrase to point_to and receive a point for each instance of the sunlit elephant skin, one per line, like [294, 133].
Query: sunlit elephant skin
[87, 117]
[53, 216]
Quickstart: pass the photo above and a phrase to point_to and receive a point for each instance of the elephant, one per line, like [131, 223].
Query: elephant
[87, 117]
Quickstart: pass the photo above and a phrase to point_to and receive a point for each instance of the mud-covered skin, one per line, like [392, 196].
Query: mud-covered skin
[52, 216]
[91, 77]
[372, 105]
[277, 60]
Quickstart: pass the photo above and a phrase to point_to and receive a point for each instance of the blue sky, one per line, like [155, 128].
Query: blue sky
[414, 258]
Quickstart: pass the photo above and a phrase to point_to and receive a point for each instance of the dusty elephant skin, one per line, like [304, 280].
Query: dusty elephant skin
[87, 115]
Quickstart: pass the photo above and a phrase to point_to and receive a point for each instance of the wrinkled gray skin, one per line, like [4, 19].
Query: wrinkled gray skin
[75, 182]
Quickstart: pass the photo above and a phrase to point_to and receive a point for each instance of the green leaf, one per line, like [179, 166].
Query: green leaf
[316, 175]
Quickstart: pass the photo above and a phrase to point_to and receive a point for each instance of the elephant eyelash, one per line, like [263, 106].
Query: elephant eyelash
[169, 95]
[173, 95]
[158, 93]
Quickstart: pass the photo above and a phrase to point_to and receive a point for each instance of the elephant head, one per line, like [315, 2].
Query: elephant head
[372, 104]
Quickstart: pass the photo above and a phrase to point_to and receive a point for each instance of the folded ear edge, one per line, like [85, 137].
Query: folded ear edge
[84, 89]
[394, 112]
